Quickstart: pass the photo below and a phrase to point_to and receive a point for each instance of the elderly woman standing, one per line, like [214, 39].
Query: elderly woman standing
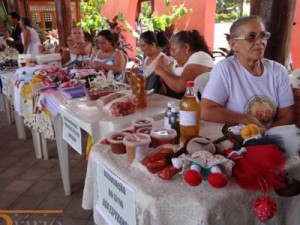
[108, 57]
[192, 58]
[247, 88]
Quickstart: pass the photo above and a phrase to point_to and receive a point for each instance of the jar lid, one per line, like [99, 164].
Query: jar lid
[163, 133]
[142, 121]
[137, 139]
[189, 84]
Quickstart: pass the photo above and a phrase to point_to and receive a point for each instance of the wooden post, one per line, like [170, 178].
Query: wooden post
[10, 4]
[21, 8]
[278, 16]
[64, 20]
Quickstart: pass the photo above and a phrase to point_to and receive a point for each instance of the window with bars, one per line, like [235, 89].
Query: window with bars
[36, 19]
[48, 20]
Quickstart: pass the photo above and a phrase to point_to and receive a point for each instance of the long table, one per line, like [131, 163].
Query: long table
[173, 202]
[83, 114]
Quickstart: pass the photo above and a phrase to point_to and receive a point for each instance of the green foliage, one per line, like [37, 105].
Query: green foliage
[228, 10]
[92, 17]
[152, 21]
[4, 17]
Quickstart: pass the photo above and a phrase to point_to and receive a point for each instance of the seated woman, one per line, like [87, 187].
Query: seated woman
[193, 58]
[152, 44]
[108, 57]
[30, 38]
[247, 88]
[81, 50]
[65, 51]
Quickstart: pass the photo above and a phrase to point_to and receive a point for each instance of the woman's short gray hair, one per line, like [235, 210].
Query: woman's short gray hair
[241, 21]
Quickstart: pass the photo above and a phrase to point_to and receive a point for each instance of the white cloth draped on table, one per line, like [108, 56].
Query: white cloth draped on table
[174, 202]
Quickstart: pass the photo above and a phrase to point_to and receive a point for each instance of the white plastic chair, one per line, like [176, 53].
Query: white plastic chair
[295, 78]
[200, 82]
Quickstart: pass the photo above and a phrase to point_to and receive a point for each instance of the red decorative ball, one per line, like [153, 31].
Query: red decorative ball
[217, 180]
[193, 177]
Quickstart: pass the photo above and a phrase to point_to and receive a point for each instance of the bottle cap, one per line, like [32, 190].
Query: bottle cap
[189, 84]
[170, 104]
[141, 72]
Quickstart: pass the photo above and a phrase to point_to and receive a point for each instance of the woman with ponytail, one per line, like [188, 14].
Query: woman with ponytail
[191, 58]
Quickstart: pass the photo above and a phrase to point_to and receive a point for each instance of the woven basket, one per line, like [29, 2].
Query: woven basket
[296, 92]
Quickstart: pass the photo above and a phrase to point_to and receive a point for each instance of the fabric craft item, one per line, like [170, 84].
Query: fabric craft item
[53, 100]
[18, 99]
[74, 92]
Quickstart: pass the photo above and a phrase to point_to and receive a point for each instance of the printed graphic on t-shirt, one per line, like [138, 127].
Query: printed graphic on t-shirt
[261, 108]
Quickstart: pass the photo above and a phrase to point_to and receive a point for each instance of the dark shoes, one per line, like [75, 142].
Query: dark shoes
[292, 189]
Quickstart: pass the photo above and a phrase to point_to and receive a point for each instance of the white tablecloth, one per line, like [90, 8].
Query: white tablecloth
[174, 202]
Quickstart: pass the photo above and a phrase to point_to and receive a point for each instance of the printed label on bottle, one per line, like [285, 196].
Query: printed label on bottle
[166, 123]
[188, 118]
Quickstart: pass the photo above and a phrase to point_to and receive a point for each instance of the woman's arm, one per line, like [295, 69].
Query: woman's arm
[214, 112]
[118, 66]
[88, 48]
[284, 116]
[177, 83]
[83, 49]
[27, 37]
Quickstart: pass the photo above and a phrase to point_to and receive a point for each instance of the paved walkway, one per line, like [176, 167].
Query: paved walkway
[27, 183]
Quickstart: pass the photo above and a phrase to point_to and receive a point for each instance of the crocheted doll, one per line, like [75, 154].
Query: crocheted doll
[205, 163]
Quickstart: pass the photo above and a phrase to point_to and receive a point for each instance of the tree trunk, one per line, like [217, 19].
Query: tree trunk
[278, 16]
[64, 20]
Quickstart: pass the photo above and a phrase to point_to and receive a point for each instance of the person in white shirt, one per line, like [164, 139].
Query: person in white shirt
[247, 88]
[30, 38]
[192, 58]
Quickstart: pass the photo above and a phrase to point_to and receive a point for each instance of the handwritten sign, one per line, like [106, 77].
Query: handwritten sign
[71, 131]
[116, 201]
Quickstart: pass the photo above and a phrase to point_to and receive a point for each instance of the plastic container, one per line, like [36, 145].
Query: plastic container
[144, 130]
[137, 146]
[142, 122]
[116, 142]
[160, 136]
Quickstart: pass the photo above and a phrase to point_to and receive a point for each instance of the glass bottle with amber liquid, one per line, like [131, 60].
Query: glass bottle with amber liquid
[189, 114]
[141, 93]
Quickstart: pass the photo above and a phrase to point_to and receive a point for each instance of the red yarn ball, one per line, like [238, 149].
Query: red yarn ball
[217, 180]
[193, 177]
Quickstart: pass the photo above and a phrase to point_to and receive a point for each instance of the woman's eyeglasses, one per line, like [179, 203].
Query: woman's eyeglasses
[252, 37]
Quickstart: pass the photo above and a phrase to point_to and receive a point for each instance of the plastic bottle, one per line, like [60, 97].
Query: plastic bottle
[141, 93]
[168, 115]
[189, 114]
[174, 122]
[110, 75]
[134, 77]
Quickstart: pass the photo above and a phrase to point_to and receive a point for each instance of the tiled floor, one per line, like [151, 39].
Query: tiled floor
[27, 183]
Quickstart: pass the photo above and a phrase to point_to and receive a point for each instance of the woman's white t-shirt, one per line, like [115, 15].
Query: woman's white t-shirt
[199, 58]
[232, 86]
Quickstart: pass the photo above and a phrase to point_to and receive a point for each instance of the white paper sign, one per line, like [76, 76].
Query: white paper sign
[5, 83]
[71, 131]
[116, 201]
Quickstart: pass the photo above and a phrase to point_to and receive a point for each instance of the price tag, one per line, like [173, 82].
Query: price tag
[71, 131]
[116, 198]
